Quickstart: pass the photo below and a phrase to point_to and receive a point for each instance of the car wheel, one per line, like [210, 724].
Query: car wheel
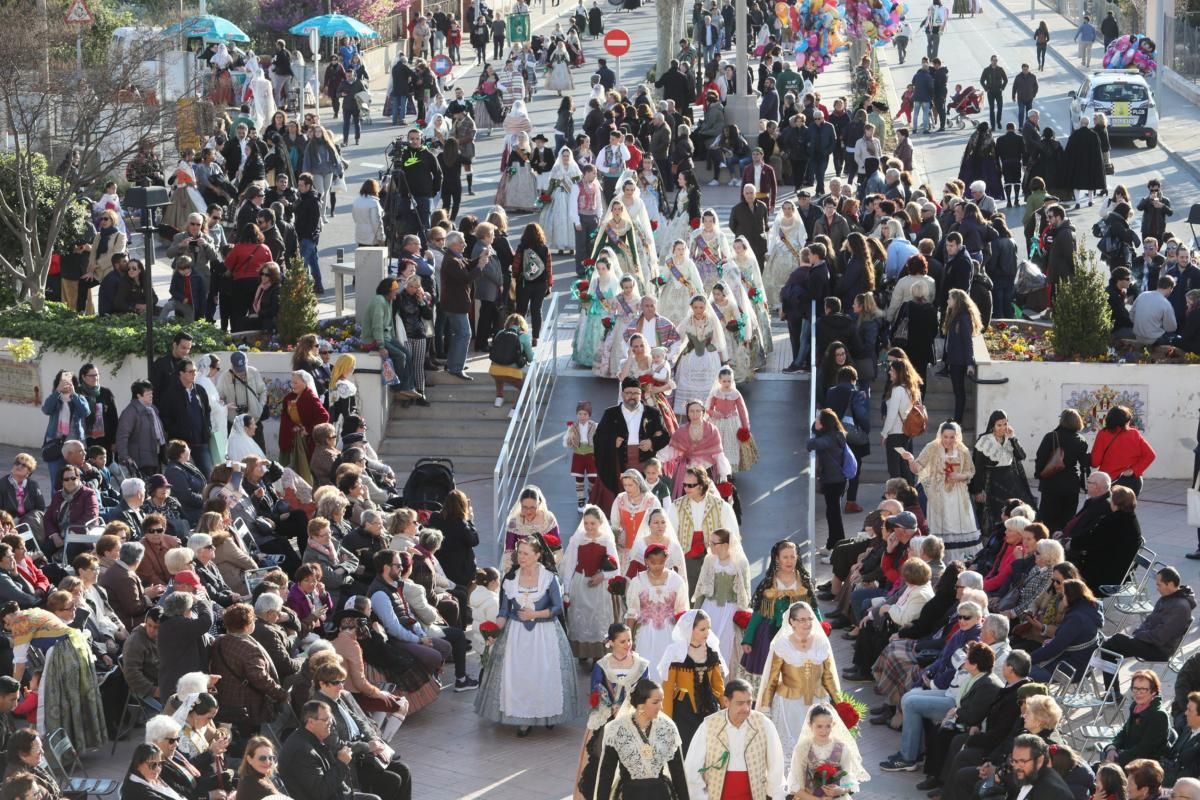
[1152, 140]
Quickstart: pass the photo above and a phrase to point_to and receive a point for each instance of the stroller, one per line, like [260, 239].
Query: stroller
[970, 101]
[430, 481]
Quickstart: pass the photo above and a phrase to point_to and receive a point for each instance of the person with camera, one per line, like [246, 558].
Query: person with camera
[243, 387]
[198, 245]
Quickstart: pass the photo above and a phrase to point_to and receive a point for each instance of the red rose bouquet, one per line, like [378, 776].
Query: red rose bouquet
[695, 223]
[581, 291]
[826, 775]
[731, 326]
[617, 586]
[850, 711]
[594, 699]
[725, 489]
[825, 626]
[742, 618]
[489, 630]
[552, 541]
[544, 198]
[423, 515]
[653, 224]
[607, 322]
[743, 434]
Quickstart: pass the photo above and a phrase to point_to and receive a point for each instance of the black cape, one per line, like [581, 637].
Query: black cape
[1084, 162]
[612, 460]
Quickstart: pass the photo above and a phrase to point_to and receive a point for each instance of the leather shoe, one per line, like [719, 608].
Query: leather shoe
[854, 676]
[929, 783]
[1194, 555]
[853, 508]
[825, 596]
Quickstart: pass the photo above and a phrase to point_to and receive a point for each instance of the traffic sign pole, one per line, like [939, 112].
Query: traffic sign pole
[616, 44]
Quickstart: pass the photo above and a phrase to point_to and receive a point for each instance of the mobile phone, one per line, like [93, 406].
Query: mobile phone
[900, 450]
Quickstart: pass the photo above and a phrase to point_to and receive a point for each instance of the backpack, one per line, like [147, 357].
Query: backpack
[532, 266]
[506, 349]
[916, 420]
[1109, 245]
[849, 462]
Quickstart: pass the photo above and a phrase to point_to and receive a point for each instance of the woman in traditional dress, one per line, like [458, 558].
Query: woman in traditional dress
[824, 739]
[800, 670]
[787, 237]
[704, 351]
[487, 100]
[649, 186]
[695, 673]
[530, 679]
[529, 517]
[613, 679]
[589, 561]
[241, 442]
[785, 582]
[596, 300]
[629, 509]
[742, 270]
[208, 370]
[516, 122]
[656, 529]
[625, 308]
[741, 329]
[653, 599]
[723, 588]
[999, 471]
[654, 378]
[944, 468]
[679, 282]
[69, 696]
[221, 91]
[185, 197]
[558, 70]
[684, 209]
[642, 755]
[556, 214]
[517, 190]
[617, 233]
[695, 444]
[710, 248]
[647, 249]
[727, 410]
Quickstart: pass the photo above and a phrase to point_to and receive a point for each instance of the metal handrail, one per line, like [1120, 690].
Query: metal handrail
[520, 440]
[812, 456]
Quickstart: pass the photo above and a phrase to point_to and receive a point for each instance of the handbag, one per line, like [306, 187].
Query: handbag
[1056, 463]
[900, 326]
[916, 420]
[1193, 504]
[52, 449]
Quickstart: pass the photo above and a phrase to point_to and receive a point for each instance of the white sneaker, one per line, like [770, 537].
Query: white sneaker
[714, 182]
[734, 182]
[499, 401]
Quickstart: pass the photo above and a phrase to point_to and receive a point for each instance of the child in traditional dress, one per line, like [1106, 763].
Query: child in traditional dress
[578, 439]
[654, 599]
[485, 603]
[727, 410]
[659, 485]
[613, 679]
[660, 370]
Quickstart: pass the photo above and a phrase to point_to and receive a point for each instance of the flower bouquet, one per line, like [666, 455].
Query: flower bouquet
[617, 586]
[825, 626]
[594, 699]
[659, 281]
[653, 224]
[607, 322]
[851, 712]
[747, 449]
[732, 326]
[742, 618]
[543, 199]
[552, 541]
[581, 290]
[694, 223]
[725, 489]
[489, 630]
[826, 775]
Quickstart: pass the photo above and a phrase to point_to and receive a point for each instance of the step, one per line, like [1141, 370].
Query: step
[490, 430]
[452, 446]
[463, 465]
[442, 410]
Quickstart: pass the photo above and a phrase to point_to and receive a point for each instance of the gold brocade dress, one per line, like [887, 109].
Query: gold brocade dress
[768, 619]
[793, 681]
[692, 691]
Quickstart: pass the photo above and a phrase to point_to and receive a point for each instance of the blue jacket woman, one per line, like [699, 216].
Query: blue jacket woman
[67, 412]
[1075, 638]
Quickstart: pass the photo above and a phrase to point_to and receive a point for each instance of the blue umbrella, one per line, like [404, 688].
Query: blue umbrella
[328, 25]
[208, 28]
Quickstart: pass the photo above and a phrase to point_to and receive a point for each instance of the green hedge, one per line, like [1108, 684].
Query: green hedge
[106, 339]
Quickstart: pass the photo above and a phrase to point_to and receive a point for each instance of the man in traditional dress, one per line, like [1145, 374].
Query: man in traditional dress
[629, 434]
[696, 514]
[657, 330]
[736, 753]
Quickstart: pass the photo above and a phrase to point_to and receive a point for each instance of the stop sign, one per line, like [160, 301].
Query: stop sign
[617, 42]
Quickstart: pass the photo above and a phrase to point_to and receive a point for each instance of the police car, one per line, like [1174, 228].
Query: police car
[1125, 98]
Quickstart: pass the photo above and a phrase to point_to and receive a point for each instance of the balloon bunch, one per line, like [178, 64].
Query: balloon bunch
[1132, 49]
[819, 28]
[875, 20]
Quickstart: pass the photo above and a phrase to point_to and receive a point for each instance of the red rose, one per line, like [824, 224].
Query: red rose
[616, 586]
[544, 197]
[552, 541]
[695, 223]
[847, 713]
[743, 434]
[742, 619]
[825, 626]
[653, 224]
[725, 489]
[679, 615]
[594, 699]
[607, 323]
[489, 630]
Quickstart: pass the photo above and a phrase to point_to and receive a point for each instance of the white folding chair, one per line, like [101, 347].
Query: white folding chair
[254, 577]
[86, 534]
[1140, 603]
[1130, 583]
[1094, 695]
[63, 761]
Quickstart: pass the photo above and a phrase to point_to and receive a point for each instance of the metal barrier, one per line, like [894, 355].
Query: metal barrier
[521, 438]
[1180, 49]
[812, 456]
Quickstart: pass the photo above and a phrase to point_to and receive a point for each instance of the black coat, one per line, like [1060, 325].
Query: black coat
[183, 646]
[313, 771]
[176, 421]
[1104, 553]
[1011, 149]
[1084, 162]
[1050, 786]
[34, 500]
[457, 555]
[1001, 717]
[1075, 459]
[611, 460]
[753, 223]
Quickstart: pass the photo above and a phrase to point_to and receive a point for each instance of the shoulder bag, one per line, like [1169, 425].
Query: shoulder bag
[916, 420]
[1056, 463]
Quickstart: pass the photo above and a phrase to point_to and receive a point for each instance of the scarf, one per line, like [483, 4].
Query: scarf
[105, 235]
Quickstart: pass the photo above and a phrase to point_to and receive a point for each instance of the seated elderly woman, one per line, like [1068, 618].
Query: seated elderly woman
[232, 560]
[386, 709]
[380, 489]
[960, 706]
[288, 523]
[889, 617]
[1146, 779]
[1147, 732]
[249, 688]
[279, 643]
[995, 542]
[201, 741]
[205, 565]
[350, 483]
[177, 560]
[180, 774]
[1039, 624]
[1020, 599]
[1105, 551]
[276, 582]
[366, 540]
[159, 501]
[309, 598]
[144, 779]
[343, 573]
[325, 455]
[997, 577]
[1075, 638]
[103, 616]
[332, 505]
[440, 591]
[25, 755]
[1031, 534]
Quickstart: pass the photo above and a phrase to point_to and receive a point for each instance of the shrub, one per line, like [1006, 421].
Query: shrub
[1082, 318]
[297, 304]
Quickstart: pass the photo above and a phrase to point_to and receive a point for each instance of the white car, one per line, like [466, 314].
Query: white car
[1124, 97]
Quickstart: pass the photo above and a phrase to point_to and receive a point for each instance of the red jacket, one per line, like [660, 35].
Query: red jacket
[311, 414]
[244, 260]
[766, 185]
[1001, 570]
[1113, 453]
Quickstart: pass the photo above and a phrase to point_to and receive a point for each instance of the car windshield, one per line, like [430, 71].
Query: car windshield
[1120, 93]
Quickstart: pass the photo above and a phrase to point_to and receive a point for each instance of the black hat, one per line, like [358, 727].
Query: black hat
[540, 138]
[348, 613]
[630, 383]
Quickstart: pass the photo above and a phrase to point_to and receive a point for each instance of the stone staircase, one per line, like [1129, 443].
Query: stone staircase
[460, 424]
[939, 402]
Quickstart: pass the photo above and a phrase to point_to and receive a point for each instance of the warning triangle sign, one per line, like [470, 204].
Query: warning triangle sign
[79, 14]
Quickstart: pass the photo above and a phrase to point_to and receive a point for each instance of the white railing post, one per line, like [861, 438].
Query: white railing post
[812, 456]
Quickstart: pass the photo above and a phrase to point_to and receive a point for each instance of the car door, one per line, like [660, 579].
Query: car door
[1079, 99]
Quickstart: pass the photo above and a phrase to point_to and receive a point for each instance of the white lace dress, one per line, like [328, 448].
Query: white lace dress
[679, 226]
[681, 282]
[696, 371]
[654, 609]
[780, 260]
[555, 218]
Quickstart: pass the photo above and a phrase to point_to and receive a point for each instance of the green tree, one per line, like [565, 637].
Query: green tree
[1082, 318]
[297, 304]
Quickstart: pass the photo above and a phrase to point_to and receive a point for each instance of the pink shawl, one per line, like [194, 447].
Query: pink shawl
[688, 453]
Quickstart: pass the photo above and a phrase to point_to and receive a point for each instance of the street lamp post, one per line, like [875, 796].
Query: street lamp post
[147, 199]
[742, 104]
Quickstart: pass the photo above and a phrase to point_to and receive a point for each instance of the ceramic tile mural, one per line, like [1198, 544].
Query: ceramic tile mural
[1094, 401]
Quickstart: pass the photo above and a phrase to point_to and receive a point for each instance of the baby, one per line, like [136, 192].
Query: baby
[485, 603]
[660, 370]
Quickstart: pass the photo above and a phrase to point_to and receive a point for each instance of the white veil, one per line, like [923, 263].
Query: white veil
[674, 547]
[818, 642]
[641, 221]
[773, 238]
[851, 761]
[681, 634]
[566, 173]
[613, 281]
[240, 443]
[687, 325]
[606, 538]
